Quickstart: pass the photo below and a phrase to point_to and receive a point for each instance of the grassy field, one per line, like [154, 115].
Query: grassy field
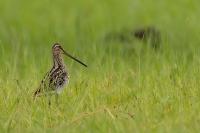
[126, 88]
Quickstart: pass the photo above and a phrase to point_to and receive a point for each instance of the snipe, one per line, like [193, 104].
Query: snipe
[56, 79]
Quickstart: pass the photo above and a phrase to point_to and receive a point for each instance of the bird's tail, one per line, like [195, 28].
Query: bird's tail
[36, 93]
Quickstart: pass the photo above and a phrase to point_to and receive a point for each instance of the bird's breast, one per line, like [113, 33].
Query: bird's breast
[58, 79]
[61, 81]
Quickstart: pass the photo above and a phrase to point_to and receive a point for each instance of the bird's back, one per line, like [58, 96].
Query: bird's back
[54, 81]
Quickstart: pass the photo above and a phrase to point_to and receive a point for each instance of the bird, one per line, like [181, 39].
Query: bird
[57, 78]
[149, 34]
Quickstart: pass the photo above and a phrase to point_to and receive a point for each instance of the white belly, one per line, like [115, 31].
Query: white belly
[60, 88]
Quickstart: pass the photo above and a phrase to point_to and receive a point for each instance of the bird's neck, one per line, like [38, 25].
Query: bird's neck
[58, 61]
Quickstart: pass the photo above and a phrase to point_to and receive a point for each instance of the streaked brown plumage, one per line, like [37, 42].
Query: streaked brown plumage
[55, 80]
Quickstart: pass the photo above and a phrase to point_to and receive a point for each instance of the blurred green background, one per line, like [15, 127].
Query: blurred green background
[126, 88]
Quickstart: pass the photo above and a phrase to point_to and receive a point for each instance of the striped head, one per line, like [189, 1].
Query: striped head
[58, 50]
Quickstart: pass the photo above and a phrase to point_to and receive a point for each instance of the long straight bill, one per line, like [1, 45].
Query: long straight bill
[74, 58]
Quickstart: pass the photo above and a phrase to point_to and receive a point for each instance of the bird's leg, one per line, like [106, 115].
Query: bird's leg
[56, 99]
[49, 103]
[49, 100]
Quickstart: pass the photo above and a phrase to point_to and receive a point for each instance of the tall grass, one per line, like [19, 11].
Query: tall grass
[126, 88]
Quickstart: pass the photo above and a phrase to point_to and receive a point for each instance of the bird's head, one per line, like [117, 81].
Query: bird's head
[57, 50]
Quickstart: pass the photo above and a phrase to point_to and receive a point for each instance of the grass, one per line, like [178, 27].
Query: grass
[126, 88]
